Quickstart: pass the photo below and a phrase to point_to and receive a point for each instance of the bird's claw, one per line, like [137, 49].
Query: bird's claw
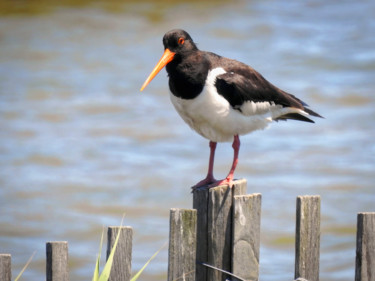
[208, 183]
[205, 183]
[226, 181]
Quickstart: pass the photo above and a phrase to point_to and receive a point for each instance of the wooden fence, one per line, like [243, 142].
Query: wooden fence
[222, 231]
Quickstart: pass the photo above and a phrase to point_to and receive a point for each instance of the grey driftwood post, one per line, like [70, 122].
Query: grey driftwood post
[307, 237]
[5, 267]
[57, 261]
[246, 236]
[121, 267]
[365, 253]
[182, 244]
[214, 229]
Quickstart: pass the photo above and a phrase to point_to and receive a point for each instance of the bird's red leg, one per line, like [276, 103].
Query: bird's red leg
[229, 179]
[210, 174]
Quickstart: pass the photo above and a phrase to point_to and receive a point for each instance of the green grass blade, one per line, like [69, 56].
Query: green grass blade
[146, 264]
[95, 277]
[24, 268]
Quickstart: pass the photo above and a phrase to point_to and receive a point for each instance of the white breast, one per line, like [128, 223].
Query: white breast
[211, 115]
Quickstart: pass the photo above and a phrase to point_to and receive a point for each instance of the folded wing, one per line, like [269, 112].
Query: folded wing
[253, 94]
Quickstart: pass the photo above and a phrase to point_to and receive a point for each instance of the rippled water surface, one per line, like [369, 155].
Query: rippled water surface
[80, 145]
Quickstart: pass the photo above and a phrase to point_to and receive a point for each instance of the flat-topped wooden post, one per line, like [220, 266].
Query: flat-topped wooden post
[5, 267]
[214, 230]
[182, 244]
[122, 259]
[307, 237]
[57, 261]
[246, 236]
[365, 253]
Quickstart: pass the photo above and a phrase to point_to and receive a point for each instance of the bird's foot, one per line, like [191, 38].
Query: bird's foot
[204, 183]
[227, 181]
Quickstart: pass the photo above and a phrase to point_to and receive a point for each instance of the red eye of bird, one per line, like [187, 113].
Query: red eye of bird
[181, 41]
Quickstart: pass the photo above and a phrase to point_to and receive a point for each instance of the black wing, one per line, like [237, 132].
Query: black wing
[246, 84]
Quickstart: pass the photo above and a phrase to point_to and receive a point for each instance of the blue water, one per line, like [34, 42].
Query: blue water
[80, 145]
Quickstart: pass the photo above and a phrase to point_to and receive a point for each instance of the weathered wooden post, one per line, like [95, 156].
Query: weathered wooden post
[200, 203]
[5, 267]
[365, 253]
[57, 261]
[214, 233]
[182, 244]
[121, 267]
[219, 231]
[246, 236]
[307, 237]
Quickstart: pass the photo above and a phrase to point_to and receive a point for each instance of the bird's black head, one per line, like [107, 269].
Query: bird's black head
[177, 44]
[178, 41]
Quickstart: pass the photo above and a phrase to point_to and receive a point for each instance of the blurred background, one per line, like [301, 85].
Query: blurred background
[80, 145]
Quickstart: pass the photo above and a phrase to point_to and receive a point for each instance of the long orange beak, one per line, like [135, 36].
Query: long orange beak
[165, 59]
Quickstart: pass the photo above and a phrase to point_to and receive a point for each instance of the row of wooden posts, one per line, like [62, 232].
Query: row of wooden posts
[219, 240]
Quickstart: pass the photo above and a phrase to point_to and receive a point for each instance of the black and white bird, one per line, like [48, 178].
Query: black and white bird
[221, 98]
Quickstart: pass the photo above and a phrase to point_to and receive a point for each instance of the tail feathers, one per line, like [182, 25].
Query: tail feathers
[294, 116]
[299, 116]
[296, 103]
[313, 113]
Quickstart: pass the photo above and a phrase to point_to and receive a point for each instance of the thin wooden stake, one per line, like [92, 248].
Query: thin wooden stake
[219, 231]
[365, 254]
[57, 261]
[122, 260]
[307, 237]
[182, 244]
[200, 203]
[246, 236]
[5, 267]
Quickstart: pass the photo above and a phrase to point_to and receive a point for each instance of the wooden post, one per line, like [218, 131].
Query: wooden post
[121, 267]
[246, 236]
[182, 244]
[219, 228]
[307, 238]
[239, 187]
[57, 261]
[5, 267]
[365, 253]
[200, 203]
[214, 230]
[219, 231]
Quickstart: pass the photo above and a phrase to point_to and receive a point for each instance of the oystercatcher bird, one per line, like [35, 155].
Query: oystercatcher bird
[221, 98]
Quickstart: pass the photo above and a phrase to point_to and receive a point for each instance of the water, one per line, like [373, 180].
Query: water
[80, 145]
